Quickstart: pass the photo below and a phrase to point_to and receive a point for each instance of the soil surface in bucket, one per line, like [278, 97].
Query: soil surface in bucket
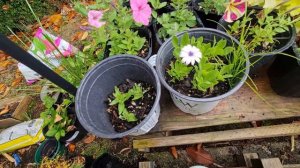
[140, 107]
[185, 86]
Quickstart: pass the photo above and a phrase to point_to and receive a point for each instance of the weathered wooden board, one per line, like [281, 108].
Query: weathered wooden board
[219, 136]
[271, 163]
[248, 157]
[243, 106]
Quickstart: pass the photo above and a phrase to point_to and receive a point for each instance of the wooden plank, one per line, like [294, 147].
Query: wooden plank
[243, 106]
[271, 163]
[8, 101]
[22, 108]
[219, 136]
[248, 157]
[146, 164]
[292, 166]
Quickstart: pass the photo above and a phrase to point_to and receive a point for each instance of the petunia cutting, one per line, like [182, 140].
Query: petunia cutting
[235, 10]
[141, 11]
[94, 18]
[190, 54]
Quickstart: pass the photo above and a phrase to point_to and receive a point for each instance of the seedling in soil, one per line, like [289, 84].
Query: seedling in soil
[129, 104]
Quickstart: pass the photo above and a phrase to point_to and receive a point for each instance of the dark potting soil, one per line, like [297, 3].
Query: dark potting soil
[185, 86]
[140, 107]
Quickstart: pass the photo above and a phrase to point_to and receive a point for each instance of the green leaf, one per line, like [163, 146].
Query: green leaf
[48, 102]
[185, 40]
[51, 132]
[57, 136]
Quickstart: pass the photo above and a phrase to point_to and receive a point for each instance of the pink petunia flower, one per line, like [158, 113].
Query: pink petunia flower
[235, 10]
[94, 18]
[141, 11]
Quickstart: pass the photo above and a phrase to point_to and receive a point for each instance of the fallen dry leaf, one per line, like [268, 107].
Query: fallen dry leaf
[89, 139]
[84, 35]
[16, 81]
[5, 92]
[71, 15]
[77, 36]
[199, 155]
[71, 128]
[5, 110]
[84, 23]
[57, 118]
[5, 7]
[55, 19]
[71, 147]
[3, 56]
[2, 88]
[5, 64]
[174, 152]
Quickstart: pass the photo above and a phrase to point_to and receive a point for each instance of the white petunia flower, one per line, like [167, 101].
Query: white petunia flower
[190, 54]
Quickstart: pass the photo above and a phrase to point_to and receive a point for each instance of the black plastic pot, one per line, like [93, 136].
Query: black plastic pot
[107, 161]
[285, 39]
[156, 27]
[284, 74]
[206, 18]
[99, 82]
[50, 148]
[143, 32]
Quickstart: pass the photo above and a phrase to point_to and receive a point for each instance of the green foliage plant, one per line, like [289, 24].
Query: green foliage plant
[134, 93]
[120, 32]
[219, 63]
[180, 19]
[57, 120]
[213, 6]
[257, 30]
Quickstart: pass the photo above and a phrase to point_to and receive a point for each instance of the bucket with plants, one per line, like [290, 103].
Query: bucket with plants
[118, 29]
[181, 18]
[200, 67]
[263, 33]
[119, 97]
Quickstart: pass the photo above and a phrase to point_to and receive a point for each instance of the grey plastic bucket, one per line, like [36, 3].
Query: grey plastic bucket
[100, 82]
[185, 103]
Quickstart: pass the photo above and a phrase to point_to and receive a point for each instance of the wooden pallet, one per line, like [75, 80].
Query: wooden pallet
[243, 106]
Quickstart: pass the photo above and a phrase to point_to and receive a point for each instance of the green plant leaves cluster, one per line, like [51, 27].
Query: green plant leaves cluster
[119, 35]
[56, 128]
[120, 98]
[176, 21]
[213, 6]
[258, 29]
[217, 63]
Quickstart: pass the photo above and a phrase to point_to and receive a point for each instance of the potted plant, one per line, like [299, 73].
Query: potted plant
[111, 106]
[181, 18]
[200, 67]
[210, 11]
[263, 33]
[60, 120]
[118, 29]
